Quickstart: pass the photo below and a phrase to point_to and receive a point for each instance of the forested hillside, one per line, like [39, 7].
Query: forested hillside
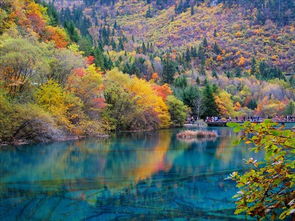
[246, 49]
[78, 68]
[164, 26]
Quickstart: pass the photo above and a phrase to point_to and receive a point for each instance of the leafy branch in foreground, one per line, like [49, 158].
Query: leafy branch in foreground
[267, 189]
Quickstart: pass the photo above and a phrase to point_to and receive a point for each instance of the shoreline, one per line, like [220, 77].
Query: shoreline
[21, 142]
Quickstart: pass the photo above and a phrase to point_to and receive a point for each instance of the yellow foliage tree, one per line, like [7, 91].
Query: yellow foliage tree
[52, 98]
[219, 58]
[237, 106]
[225, 104]
[270, 107]
[241, 61]
[146, 96]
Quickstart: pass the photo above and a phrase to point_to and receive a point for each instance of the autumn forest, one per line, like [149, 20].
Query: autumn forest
[97, 66]
[128, 109]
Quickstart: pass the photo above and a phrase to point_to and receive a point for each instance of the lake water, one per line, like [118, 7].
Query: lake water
[144, 176]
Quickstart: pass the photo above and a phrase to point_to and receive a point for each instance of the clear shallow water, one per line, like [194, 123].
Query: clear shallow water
[146, 176]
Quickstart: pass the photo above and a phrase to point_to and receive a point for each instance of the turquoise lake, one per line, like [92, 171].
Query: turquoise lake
[141, 176]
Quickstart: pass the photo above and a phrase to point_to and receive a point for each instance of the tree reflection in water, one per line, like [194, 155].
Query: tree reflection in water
[130, 176]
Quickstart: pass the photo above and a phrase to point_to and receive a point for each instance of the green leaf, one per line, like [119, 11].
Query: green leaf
[232, 124]
[237, 129]
[238, 211]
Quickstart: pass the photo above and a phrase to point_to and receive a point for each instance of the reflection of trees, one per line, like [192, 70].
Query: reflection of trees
[152, 161]
[141, 162]
[54, 161]
[114, 165]
[53, 168]
[207, 157]
[119, 176]
[225, 148]
[228, 152]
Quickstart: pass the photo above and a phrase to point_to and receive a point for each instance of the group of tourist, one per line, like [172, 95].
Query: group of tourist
[251, 119]
[234, 119]
[192, 120]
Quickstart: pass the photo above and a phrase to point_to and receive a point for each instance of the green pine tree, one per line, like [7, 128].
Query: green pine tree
[169, 70]
[209, 107]
[253, 66]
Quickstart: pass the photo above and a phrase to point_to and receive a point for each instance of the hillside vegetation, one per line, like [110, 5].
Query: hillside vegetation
[241, 31]
[79, 68]
[245, 49]
[49, 89]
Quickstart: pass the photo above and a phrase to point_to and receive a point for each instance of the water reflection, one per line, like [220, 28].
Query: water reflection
[131, 176]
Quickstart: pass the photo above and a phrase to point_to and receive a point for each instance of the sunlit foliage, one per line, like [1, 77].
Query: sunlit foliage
[267, 189]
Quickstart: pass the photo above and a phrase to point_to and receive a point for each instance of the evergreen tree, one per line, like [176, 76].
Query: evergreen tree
[169, 70]
[52, 14]
[126, 68]
[192, 10]
[99, 58]
[202, 70]
[121, 44]
[180, 82]
[214, 74]
[214, 88]
[160, 3]
[190, 96]
[252, 104]
[238, 71]
[108, 64]
[290, 109]
[194, 52]
[209, 107]
[215, 33]
[253, 66]
[229, 74]
[144, 49]
[216, 48]
[201, 53]
[205, 42]
[148, 13]
[71, 30]
[113, 44]
[292, 81]
[85, 45]
[178, 8]
[188, 55]
[267, 72]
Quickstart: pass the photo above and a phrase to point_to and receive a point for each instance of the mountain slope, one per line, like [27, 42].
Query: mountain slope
[237, 29]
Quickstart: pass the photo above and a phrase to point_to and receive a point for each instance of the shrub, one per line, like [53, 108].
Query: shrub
[177, 109]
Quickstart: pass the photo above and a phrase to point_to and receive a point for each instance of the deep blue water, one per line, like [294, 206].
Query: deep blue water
[144, 176]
